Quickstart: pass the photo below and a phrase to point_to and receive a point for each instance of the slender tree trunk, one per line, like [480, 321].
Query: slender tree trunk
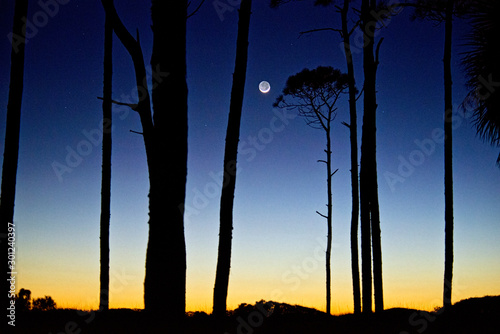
[448, 157]
[373, 190]
[366, 259]
[106, 165]
[376, 244]
[370, 220]
[354, 161]
[165, 281]
[329, 216]
[230, 158]
[366, 150]
[11, 146]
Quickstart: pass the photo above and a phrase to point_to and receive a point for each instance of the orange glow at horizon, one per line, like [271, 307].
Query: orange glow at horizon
[296, 276]
[83, 295]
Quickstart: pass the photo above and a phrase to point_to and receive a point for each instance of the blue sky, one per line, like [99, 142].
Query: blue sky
[278, 237]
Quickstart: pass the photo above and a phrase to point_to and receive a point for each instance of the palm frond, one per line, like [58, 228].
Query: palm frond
[481, 64]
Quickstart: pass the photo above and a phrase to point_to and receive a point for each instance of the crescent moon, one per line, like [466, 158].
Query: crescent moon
[264, 87]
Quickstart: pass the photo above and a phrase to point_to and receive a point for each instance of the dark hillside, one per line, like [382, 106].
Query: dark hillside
[471, 316]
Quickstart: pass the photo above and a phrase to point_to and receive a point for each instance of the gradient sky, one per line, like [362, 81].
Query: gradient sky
[278, 240]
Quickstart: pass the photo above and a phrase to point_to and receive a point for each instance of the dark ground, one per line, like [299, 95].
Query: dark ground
[475, 316]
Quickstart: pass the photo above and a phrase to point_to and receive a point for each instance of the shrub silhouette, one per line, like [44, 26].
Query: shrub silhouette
[44, 304]
[23, 300]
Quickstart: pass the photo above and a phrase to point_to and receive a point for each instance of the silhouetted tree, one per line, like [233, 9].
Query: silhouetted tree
[165, 139]
[448, 158]
[106, 164]
[23, 300]
[230, 159]
[11, 145]
[166, 255]
[371, 12]
[44, 304]
[314, 94]
[482, 69]
[353, 130]
[345, 33]
[443, 11]
[369, 205]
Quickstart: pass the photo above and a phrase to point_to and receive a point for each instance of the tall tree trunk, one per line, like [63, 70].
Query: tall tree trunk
[106, 164]
[11, 146]
[373, 189]
[370, 220]
[328, 215]
[165, 142]
[366, 149]
[165, 281]
[366, 258]
[376, 244]
[448, 157]
[353, 130]
[230, 158]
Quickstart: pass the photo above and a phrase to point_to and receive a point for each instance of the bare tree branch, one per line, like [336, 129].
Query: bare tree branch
[360, 93]
[377, 52]
[358, 22]
[319, 29]
[322, 215]
[143, 106]
[197, 9]
[133, 47]
[139, 133]
[132, 106]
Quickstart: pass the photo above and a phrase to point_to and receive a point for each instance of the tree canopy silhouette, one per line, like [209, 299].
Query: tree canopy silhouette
[23, 300]
[345, 33]
[314, 94]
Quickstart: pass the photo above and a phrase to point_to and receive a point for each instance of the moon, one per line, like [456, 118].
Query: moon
[264, 87]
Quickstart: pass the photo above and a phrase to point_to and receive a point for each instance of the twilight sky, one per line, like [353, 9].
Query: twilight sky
[278, 240]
